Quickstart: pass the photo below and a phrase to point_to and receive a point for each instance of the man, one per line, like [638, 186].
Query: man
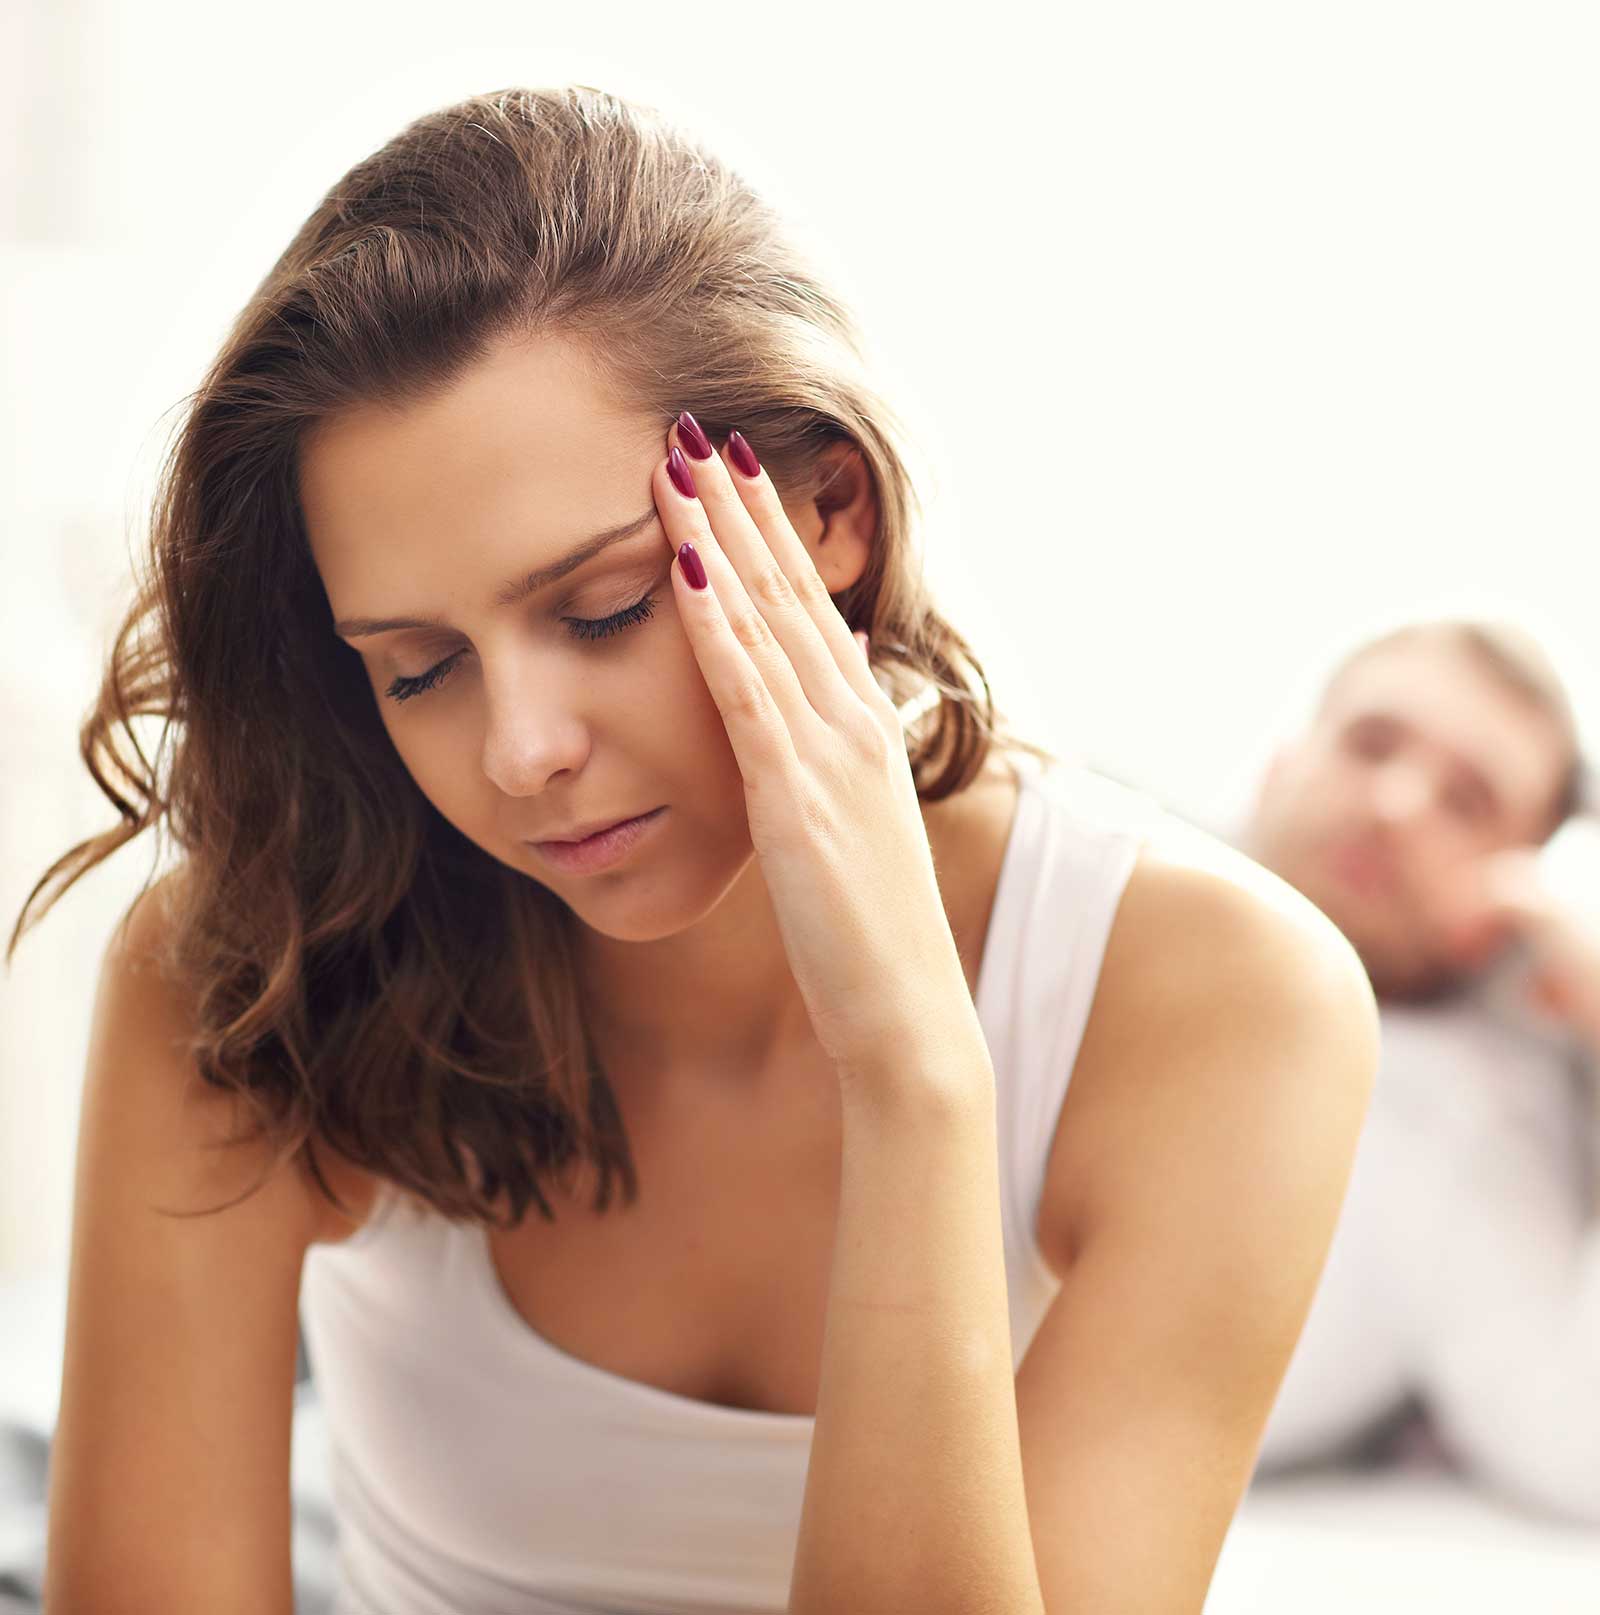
[1464, 1277]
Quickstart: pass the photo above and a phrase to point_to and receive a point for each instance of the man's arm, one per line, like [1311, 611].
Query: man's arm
[1508, 1319]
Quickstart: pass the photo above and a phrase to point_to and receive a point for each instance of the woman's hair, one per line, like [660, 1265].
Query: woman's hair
[1511, 654]
[364, 976]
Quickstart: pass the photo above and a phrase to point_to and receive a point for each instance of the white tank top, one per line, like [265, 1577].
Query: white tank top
[477, 1468]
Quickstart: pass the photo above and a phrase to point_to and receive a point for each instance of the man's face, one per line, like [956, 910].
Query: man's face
[1421, 764]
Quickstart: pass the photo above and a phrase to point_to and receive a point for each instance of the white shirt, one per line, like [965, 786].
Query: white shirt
[1465, 1269]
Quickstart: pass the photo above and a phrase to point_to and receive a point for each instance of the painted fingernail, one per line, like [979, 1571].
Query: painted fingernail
[693, 569]
[678, 470]
[696, 441]
[742, 455]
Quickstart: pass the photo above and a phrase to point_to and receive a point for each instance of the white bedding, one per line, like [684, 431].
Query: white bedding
[1334, 1541]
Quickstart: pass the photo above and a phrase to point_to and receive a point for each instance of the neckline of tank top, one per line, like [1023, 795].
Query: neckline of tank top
[516, 1329]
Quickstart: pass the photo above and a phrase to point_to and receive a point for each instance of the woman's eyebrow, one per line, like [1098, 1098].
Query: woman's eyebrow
[515, 589]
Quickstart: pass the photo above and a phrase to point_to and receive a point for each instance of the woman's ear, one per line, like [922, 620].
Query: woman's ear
[844, 517]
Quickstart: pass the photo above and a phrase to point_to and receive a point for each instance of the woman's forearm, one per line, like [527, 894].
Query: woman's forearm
[914, 1497]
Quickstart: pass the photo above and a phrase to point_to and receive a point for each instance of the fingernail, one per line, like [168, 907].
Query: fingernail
[678, 470]
[696, 441]
[742, 455]
[693, 568]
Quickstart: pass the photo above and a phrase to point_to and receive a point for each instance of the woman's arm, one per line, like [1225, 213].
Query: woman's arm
[1222, 1095]
[1209, 1133]
[170, 1468]
[914, 1497]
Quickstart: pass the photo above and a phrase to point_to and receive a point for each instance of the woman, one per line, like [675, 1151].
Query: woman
[445, 572]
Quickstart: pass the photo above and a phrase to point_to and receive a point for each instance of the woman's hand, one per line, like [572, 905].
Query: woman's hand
[833, 809]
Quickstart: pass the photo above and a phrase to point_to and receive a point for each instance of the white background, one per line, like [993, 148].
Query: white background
[1229, 330]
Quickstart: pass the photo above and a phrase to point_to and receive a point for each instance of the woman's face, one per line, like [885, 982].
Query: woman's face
[523, 713]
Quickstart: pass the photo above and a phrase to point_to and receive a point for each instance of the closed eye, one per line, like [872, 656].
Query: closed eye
[582, 628]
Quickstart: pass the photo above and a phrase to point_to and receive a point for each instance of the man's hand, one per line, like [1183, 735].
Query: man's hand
[1506, 896]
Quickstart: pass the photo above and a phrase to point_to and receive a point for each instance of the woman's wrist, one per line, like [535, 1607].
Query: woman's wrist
[933, 1066]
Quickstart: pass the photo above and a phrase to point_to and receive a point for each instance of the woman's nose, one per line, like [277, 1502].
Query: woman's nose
[527, 739]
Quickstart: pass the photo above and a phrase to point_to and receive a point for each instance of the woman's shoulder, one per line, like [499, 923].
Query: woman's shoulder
[141, 945]
[1220, 985]
[1209, 946]
[1193, 904]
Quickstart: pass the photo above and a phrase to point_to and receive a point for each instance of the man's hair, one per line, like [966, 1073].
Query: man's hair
[1513, 655]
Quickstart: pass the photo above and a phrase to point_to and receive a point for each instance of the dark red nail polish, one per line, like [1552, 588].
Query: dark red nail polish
[694, 440]
[678, 470]
[693, 568]
[742, 455]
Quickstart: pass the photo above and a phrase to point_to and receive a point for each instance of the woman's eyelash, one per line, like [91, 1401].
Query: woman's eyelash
[402, 689]
[600, 627]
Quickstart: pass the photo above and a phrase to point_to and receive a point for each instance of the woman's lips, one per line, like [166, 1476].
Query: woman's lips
[600, 850]
[572, 838]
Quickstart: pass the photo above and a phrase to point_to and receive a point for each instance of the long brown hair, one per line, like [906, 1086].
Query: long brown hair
[364, 975]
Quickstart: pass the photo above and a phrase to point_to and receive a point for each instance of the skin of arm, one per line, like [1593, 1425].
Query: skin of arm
[914, 1494]
[1217, 1134]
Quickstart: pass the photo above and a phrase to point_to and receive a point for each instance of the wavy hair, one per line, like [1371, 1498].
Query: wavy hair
[363, 975]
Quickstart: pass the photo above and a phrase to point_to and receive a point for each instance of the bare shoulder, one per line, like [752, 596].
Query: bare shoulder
[1215, 972]
[1194, 911]
[188, 1239]
[137, 954]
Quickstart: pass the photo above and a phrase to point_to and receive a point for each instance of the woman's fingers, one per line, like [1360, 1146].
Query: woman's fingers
[776, 576]
[766, 711]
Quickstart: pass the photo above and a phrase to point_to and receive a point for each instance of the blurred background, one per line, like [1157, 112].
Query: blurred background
[1227, 332]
